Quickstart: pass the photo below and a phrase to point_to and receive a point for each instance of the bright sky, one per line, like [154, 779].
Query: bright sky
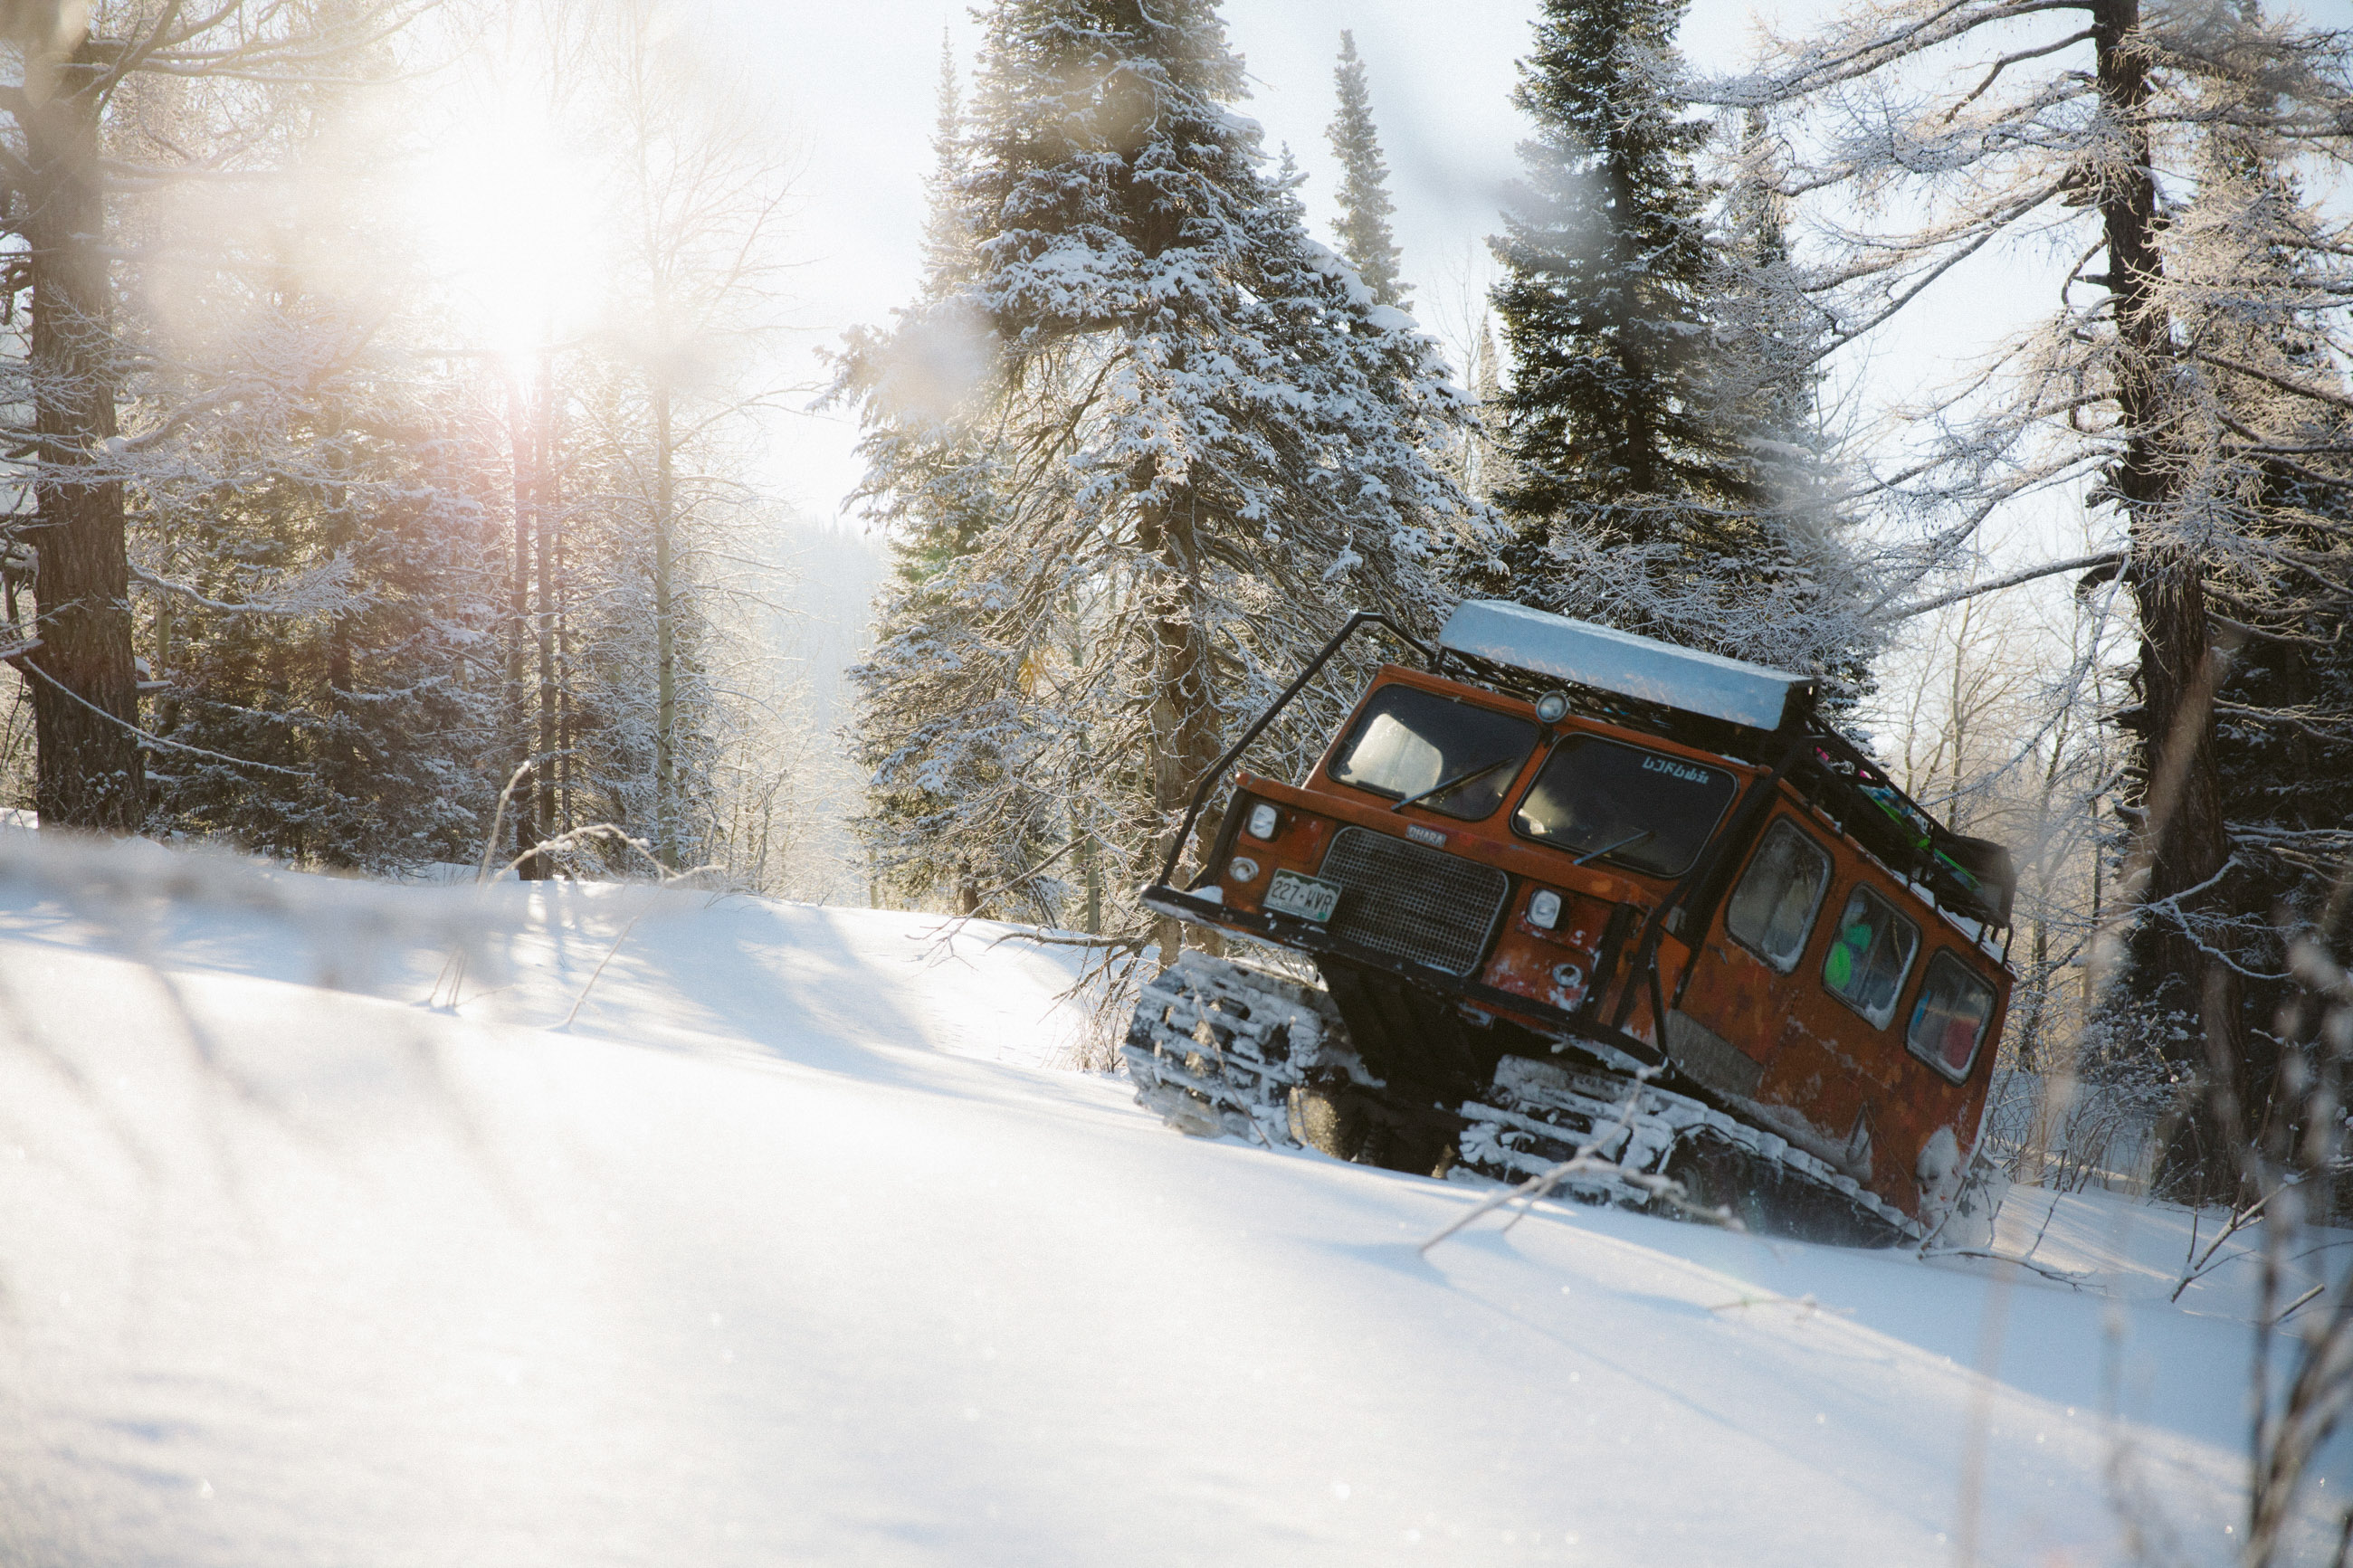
[855, 82]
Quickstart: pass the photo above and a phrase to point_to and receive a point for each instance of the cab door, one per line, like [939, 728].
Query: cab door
[1733, 1003]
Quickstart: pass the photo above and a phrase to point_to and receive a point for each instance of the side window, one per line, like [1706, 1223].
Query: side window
[1870, 956]
[1772, 911]
[1949, 1020]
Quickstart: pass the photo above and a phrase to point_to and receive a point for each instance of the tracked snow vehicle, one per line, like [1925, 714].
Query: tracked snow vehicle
[1572, 892]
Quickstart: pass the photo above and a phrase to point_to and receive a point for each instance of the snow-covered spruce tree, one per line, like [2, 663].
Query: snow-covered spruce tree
[1363, 194]
[1804, 593]
[1606, 270]
[1668, 474]
[314, 566]
[948, 226]
[1958, 128]
[1204, 440]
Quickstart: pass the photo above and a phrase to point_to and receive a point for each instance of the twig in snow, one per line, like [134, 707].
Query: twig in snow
[497, 820]
[2290, 1310]
[577, 1002]
[2072, 1278]
[2190, 1273]
[1807, 1303]
[1538, 1185]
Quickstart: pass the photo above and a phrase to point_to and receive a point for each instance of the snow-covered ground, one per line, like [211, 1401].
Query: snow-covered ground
[799, 1245]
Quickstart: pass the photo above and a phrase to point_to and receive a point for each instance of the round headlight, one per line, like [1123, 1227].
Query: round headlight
[1243, 869]
[1552, 707]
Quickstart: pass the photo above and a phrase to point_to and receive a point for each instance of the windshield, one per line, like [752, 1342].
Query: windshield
[1638, 809]
[1459, 759]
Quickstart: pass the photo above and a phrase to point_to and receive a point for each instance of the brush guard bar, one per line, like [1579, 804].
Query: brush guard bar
[1216, 776]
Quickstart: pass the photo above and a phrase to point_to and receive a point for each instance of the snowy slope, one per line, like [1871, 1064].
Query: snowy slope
[796, 1248]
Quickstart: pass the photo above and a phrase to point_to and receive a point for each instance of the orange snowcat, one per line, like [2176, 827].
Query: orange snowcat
[1591, 905]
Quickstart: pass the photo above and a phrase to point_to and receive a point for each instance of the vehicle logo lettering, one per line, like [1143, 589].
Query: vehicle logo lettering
[1674, 769]
[1429, 835]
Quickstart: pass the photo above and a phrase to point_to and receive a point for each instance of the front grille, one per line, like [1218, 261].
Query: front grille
[1410, 902]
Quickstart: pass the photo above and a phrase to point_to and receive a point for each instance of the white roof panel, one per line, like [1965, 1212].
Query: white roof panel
[1545, 644]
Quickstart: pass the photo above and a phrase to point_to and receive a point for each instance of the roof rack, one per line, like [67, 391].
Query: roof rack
[1969, 877]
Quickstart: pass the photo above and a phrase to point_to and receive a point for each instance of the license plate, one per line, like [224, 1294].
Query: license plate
[1309, 898]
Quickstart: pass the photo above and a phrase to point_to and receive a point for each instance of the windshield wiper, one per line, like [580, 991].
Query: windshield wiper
[1613, 849]
[1457, 782]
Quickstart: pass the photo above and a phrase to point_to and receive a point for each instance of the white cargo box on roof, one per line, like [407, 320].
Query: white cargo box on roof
[1542, 644]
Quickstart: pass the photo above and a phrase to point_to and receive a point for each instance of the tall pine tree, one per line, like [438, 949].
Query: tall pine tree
[1789, 585]
[1668, 474]
[1204, 444]
[1611, 414]
[1365, 204]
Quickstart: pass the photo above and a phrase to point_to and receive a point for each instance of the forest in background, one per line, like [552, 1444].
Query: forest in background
[367, 516]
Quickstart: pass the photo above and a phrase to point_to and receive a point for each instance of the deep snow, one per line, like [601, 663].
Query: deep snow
[799, 1247]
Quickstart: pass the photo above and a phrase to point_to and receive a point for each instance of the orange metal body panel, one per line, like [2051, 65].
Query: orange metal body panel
[1820, 1060]
[1826, 1061]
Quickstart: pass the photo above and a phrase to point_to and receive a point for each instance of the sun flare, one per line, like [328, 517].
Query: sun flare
[505, 205]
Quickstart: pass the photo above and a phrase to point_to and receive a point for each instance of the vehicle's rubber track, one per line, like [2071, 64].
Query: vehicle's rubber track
[1542, 1114]
[1218, 1048]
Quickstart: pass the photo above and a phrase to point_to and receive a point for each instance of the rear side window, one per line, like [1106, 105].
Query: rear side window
[1949, 1020]
[1869, 955]
[1642, 810]
[1413, 742]
[1772, 911]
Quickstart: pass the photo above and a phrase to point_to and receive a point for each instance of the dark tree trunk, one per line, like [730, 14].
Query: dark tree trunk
[521, 809]
[1186, 732]
[665, 802]
[2186, 842]
[566, 821]
[543, 506]
[85, 688]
